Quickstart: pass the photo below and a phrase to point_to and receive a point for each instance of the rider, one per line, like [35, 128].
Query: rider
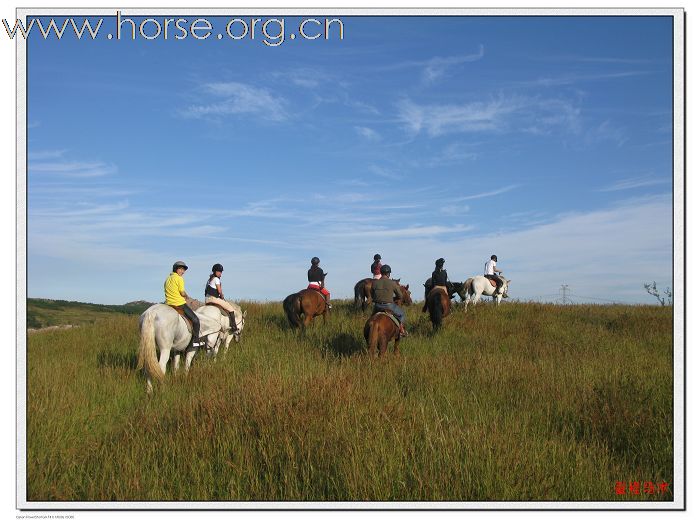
[438, 279]
[317, 280]
[175, 295]
[490, 272]
[376, 267]
[213, 293]
[384, 290]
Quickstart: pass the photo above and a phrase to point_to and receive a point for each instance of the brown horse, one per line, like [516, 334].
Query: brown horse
[308, 303]
[380, 329]
[363, 293]
[438, 306]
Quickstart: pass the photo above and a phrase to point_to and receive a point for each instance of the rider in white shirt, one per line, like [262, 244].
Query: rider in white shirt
[490, 272]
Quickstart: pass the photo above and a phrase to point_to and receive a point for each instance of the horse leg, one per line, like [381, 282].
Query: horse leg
[188, 360]
[396, 345]
[164, 358]
[176, 362]
[383, 344]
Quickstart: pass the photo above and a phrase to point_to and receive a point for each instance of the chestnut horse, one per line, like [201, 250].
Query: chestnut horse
[309, 303]
[363, 292]
[438, 306]
[380, 329]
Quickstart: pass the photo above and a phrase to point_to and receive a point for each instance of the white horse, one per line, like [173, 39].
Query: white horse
[479, 285]
[215, 313]
[162, 328]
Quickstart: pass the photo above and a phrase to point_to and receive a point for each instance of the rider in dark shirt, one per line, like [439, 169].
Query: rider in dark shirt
[438, 279]
[317, 280]
[384, 291]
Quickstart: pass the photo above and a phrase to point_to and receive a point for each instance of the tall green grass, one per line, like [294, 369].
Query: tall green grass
[521, 402]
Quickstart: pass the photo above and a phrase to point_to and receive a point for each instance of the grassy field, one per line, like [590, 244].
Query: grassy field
[522, 402]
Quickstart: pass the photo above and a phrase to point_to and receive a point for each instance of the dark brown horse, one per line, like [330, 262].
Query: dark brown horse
[363, 293]
[308, 303]
[380, 329]
[438, 306]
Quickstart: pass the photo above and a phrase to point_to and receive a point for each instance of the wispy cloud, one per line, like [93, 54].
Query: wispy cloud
[635, 182]
[46, 154]
[501, 114]
[595, 60]
[487, 193]
[454, 209]
[435, 68]
[577, 78]
[367, 133]
[385, 173]
[236, 98]
[405, 233]
[454, 153]
[607, 131]
[73, 169]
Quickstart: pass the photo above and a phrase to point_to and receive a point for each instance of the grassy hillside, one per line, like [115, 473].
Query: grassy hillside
[522, 402]
[51, 312]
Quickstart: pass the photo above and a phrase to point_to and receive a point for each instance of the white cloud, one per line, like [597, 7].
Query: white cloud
[73, 169]
[367, 133]
[437, 67]
[502, 114]
[635, 182]
[487, 193]
[607, 253]
[236, 98]
[404, 233]
[568, 79]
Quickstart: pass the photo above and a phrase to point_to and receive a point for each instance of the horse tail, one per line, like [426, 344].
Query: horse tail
[147, 348]
[435, 309]
[469, 286]
[292, 307]
[373, 337]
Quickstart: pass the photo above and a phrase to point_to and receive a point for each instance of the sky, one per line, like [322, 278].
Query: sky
[544, 140]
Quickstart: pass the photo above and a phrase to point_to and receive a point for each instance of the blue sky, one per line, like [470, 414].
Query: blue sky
[545, 140]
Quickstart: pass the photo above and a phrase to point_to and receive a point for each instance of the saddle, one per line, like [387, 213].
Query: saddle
[493, 283]
[223, 310]
[389, 314]
[181, 311]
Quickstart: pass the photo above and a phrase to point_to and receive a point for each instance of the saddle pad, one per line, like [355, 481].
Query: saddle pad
[223, 310]
[317, 290]
[181, 311]
[390, 316]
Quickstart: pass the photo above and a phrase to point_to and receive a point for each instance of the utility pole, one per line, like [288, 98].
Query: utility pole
[564, 290]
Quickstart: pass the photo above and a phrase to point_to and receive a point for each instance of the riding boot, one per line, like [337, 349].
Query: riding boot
[232, 321]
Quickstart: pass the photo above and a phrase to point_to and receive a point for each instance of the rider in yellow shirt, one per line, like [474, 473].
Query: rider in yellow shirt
[175, 295]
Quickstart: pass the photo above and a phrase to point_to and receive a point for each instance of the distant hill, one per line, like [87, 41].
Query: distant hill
[55, 312]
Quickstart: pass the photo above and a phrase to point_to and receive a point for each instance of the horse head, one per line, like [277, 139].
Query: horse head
[504, 290]
[405, 295]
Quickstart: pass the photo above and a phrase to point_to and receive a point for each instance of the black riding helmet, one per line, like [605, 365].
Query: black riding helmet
[494, 258]
[315, 261]
[385, 269]
[377, 256]
[217, 268]
[440, 263]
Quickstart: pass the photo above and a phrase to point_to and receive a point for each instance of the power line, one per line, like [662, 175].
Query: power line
[564, 290]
